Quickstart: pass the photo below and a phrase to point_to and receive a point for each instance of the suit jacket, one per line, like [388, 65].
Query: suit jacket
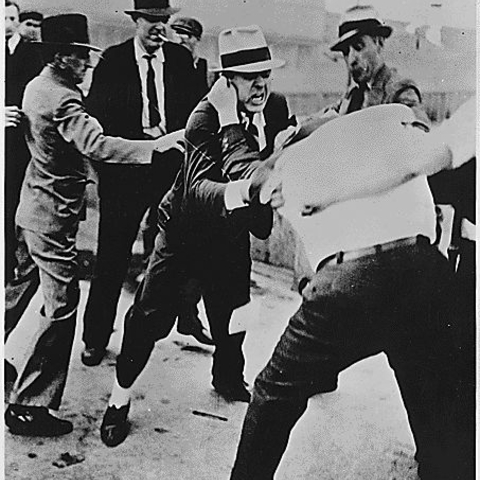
[60, 135]
[20, 67]
[386, 87]
[215, 242]
[201, 79]
[115, 96]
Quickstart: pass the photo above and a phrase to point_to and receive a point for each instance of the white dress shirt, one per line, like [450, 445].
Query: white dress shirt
[157, 63]
[13, 42]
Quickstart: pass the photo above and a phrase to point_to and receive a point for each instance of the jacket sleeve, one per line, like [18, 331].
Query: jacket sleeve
[96, 101]
[77, 127]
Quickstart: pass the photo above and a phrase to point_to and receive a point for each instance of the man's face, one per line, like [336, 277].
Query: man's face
[30, 30]
[151, 31]
[363, 58]
[253, 89]
[76, 65]
[188, 41]
[11, 20]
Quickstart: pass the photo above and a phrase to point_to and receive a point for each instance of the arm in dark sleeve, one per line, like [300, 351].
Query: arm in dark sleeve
[96, 101]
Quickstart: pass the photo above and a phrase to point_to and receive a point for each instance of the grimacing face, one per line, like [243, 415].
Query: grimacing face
[253, 89]
[364, 58]
[151, 31]
[11, 20]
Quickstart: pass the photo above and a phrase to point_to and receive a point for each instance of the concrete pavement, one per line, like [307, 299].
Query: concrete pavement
[359, 432]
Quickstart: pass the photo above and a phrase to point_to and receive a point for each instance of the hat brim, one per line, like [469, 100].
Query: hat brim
[75, 44]
[182, 29]
[154, 12]
[382, 30]
[252, 67]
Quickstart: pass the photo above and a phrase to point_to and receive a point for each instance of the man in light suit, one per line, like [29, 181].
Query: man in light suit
[141, 89]
[60, 135]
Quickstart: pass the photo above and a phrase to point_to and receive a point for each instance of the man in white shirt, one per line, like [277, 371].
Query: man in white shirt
[380, 285]
[141, 89]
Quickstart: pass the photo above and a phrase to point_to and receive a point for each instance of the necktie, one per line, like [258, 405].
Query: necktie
[356, 99]
[251, 128]
[153, 111]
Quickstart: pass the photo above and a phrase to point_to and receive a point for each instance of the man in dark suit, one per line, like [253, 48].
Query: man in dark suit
[22, 63]
[140, 89]
[189, 33]
[205, 223]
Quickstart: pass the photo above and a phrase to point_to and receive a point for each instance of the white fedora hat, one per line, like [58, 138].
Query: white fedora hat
[357, 21]
[244, 50]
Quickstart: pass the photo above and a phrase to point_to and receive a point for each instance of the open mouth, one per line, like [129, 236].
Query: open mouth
[257, 99]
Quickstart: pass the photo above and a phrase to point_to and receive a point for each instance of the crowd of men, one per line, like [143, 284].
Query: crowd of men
[202, 165]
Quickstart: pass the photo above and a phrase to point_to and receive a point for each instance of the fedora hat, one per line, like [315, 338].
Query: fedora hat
[152, 8]
[188, 26]
[357, 21]
[68, 29]
[244, 50]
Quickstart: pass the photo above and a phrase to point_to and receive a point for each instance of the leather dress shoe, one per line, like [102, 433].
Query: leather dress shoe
[235, 392]
[35, 422]
[115, 425]
[91, 357]
[187, 325]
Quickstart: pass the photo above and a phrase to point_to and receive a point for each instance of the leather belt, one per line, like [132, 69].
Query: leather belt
[340, 257]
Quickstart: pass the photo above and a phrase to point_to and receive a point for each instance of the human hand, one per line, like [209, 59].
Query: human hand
[265, 182]
[283, 137]
[173, 140]
[13, 116]
[223, 98]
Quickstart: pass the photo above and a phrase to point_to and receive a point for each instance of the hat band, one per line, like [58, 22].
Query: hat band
[245, 57]
[361, 25]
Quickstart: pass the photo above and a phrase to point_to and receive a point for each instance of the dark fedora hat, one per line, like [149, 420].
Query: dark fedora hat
[189, 26]
[357, 21]
[152, 8]
[68, 29]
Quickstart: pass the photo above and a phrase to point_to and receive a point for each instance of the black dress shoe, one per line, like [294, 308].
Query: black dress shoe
[236, 392]
[115, 425]
[35, 422]
[91, 357]
[188, 325]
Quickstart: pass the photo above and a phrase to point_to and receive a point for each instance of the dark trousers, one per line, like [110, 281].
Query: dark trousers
[158, 301]
[126, 192]
[465, 341]
[395, 302]
[17, 157]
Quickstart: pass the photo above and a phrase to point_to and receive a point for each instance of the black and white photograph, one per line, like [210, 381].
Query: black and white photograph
[240, 239]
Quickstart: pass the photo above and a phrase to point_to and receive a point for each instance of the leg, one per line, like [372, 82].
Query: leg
[149, 319]
[228, 359]
[40, 346]
[20, 290]
[335, 327]
[123, 203]
[421, 352]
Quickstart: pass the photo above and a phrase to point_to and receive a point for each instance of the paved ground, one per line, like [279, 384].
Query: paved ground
[358, 432]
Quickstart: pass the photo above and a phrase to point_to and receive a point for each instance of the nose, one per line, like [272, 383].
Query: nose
[260, 81]
[352, 56]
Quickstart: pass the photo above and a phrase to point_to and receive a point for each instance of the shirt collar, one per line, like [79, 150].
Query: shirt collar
[13, 42]
[258, 119]
[140, 52]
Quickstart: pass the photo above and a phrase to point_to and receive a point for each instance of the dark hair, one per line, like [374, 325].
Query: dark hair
[10, 3]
